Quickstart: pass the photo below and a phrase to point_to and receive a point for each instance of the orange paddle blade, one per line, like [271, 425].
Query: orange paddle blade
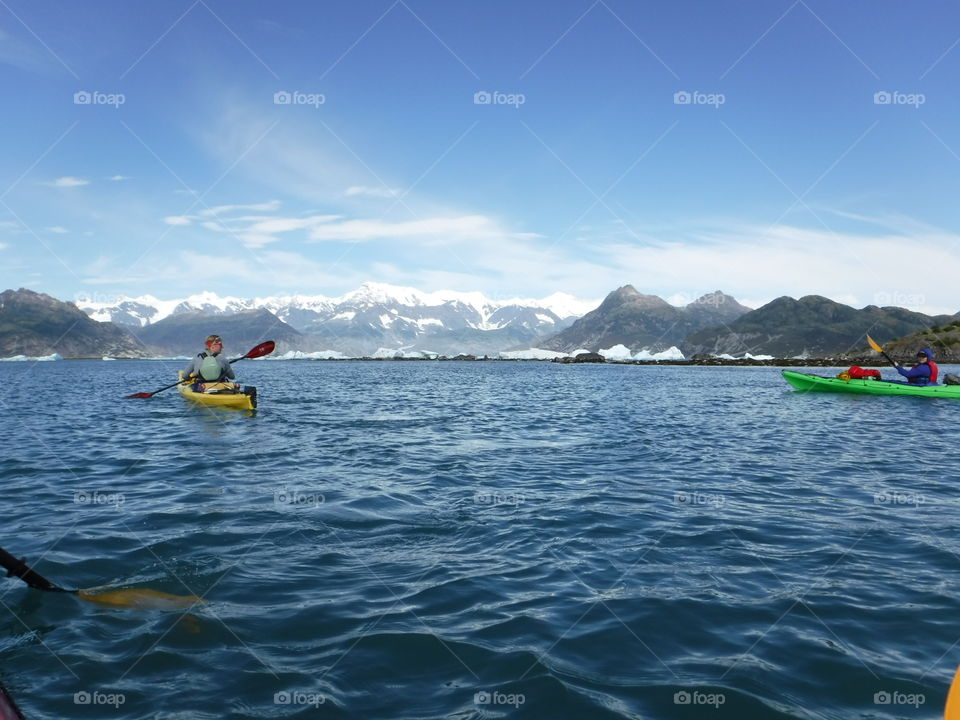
[952, 711]
[139, 599]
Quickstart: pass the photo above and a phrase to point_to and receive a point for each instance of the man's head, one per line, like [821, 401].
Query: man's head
[924, 355]
[214, 343]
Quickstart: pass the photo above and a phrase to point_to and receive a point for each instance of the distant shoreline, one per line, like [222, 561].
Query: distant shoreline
[696, 362]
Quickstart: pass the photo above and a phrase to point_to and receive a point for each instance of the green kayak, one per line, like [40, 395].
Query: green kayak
[816, 383]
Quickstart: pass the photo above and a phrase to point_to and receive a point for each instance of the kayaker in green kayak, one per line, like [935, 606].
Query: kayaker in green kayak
[925, 372]
[211, 368]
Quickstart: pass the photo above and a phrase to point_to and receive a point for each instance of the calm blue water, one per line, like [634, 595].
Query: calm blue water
[480, 540]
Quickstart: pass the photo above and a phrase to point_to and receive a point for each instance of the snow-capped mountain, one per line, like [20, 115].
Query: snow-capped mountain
[376, 315]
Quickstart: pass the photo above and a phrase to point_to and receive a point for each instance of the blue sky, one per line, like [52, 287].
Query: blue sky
[185, 171]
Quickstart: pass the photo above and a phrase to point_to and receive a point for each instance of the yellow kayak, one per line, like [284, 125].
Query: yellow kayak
[239, 399]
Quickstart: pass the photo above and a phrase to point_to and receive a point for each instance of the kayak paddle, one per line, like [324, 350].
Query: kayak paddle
[264, 348]
[139, 599]
[952, 711]
[876, 346]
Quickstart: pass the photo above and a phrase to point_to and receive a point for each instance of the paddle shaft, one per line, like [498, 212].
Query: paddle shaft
[876, 346]
[20, 569]
[889, 359]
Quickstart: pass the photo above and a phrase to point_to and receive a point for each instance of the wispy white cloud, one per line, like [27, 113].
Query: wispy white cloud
[447, 229]
[118, 178]
[189, 270]
[58, 229]
[25, 54]
[381, 192]
[177, 220]
[68, 181]
[269, 206]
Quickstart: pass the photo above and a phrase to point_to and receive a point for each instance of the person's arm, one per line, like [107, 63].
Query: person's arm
[191, 369]
[227, 368]
[921, 370]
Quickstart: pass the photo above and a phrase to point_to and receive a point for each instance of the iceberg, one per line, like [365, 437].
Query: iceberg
[617, 352]
[530, 354]
[300, 355]
[622, 353]
[24, 358]
[746, 356]
[671, 353]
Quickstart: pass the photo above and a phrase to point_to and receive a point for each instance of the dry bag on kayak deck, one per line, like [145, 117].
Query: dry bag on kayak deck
[858, 373]
[951, 379]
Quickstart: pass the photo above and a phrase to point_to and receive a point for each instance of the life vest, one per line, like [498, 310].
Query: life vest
[934, 370]
[210, 369]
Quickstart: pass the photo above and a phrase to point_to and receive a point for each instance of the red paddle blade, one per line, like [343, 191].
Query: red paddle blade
[138, 395]
[264, 348]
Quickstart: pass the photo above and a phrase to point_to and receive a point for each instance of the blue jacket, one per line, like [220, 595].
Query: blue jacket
[919, 374]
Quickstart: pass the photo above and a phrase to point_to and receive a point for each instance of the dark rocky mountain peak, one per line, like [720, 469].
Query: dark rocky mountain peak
[35, 324]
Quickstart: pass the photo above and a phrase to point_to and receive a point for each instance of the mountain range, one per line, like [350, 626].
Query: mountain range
[382, 320]
[809, 327]
[35, 324]
[637, 321]
[359, 323]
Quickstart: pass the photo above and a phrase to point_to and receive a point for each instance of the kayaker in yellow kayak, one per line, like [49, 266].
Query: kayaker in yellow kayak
[210, 369]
